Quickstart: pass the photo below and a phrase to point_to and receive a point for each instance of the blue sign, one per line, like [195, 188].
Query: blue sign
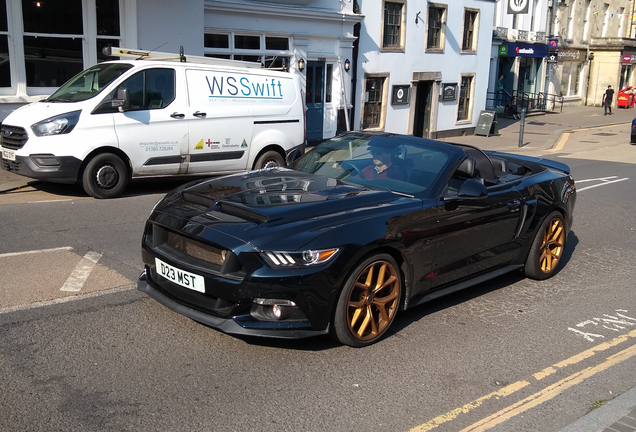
[526, 50]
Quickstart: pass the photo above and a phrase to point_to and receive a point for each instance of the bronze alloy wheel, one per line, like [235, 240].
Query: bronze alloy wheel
[552, 245]
[370, 301]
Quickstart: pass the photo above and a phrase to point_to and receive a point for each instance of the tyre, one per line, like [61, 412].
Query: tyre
[547, 248]
[105, 176]
[269, 159]
[368, 302]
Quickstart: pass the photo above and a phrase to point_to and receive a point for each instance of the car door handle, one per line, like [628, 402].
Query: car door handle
[199, 114]
[177, 115]
[514, 205]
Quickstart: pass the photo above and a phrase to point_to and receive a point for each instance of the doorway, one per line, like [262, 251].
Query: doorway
[422, 123]
[315, 99]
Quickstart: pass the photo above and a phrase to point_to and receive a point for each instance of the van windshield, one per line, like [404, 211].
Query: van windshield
[89, 82]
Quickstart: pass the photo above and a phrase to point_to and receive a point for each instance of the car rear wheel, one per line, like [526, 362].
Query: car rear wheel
[368, 302]
[105, 176]
[269, 159]
[547, 248]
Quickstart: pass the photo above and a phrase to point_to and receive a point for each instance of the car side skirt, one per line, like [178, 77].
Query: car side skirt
[426, 297]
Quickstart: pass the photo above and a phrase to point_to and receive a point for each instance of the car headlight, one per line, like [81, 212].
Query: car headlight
[61, 124]
[306, 258]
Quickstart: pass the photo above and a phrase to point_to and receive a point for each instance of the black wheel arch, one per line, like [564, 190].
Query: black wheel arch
[124, 157]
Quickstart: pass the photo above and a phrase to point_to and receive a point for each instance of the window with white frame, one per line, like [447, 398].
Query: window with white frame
[469, 39]
[465, 98]
[570, 78]
[621, 22]
[570, 26]
[42, 42]
[374, 102]
[586, 20]
[272, 51]
[435, 37]
[605, 19]
[393, 25]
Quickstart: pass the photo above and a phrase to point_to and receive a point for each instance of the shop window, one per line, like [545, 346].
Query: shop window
[276, 43]
[222, 56]
[393, 26]
[469, 41]
[570, 78]
[107, 12]
[247, 42]
[373, 102]
[435, 31]
[5, 60]
[50, 62]
[465, 94]
[328, 81]
[59, 17]
[216, 40]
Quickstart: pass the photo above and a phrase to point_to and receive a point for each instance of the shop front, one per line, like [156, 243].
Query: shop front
[627, 69]
[570, 71]
[525, 62]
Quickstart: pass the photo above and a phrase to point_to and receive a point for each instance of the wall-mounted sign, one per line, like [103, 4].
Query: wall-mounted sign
[400, 94]
[449, 92]
[518, 6]
[629, 58]
[503, 50]
[525, 50]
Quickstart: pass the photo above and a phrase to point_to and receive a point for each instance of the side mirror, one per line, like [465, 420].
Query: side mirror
[122, 102]
[472, 189]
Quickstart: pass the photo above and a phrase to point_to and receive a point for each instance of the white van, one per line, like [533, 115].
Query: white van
[142, 117]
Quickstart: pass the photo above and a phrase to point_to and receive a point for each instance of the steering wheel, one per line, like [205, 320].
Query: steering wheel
[353, 168]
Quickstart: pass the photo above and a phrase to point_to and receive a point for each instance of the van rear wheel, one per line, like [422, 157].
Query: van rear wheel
[105, 176]
[269, 159]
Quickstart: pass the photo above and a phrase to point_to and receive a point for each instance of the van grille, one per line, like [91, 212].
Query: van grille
[13, 137]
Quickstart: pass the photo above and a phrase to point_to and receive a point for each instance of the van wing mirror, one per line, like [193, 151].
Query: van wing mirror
[122, 102]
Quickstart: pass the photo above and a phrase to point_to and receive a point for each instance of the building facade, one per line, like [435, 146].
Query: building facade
[422, 67]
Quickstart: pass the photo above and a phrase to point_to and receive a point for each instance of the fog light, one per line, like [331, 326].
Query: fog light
[277, 302]
[277, 311]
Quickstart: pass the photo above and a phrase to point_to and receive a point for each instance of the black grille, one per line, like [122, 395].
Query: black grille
[13, 137]
[10, 165]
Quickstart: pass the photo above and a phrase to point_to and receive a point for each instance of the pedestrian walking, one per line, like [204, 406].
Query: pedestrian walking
[607, 100]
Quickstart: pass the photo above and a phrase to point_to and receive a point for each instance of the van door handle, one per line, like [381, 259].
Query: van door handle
[177, 115]
[199, 114]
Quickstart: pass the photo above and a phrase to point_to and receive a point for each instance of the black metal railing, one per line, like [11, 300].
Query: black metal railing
[532, 102]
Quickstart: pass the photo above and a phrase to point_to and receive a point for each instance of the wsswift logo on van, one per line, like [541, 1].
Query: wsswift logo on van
[241, 88]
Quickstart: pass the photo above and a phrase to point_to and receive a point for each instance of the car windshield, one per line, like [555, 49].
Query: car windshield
[88, 83]
[400, 165]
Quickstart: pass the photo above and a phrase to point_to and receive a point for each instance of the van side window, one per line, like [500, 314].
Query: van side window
[150, 89]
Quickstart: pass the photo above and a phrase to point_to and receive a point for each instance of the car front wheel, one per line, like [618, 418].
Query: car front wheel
[547, 248]
[269, 159]
[368, 302]
[105, 176]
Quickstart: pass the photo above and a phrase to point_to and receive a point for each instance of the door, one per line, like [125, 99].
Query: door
[315, 99]
[421, 125]
[153, 131]
[221, 119]
[474, 234]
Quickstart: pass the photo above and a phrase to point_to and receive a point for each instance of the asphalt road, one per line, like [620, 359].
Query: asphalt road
[82, 350]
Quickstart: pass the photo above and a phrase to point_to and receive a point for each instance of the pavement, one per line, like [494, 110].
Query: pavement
[541, 132]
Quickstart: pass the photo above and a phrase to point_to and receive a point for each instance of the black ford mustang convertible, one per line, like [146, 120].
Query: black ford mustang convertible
[359, 228]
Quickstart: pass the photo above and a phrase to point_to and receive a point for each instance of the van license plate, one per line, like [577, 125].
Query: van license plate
[180, 277]
[8, 154]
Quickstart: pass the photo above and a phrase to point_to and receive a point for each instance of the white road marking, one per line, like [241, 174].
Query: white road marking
[76, 280]
[68, 248]
[48, 201]
[67, 299]
[601, 184]
[597, 179]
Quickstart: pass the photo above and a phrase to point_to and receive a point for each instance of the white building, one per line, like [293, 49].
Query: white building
[423, 66]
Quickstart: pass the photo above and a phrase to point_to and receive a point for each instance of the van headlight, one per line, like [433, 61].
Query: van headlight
[279, 259]
[61, 124]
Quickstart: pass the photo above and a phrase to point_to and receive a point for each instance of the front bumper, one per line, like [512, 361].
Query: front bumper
[58, 169]
[244, 324]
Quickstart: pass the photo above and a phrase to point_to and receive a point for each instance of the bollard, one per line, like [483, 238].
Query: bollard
[521, 125]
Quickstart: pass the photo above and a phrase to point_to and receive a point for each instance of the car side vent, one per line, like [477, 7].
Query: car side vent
[242, 213]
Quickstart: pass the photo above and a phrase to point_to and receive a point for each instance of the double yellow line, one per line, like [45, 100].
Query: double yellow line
[540, 396]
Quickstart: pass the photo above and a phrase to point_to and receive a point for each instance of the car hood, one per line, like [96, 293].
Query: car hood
[273, 208]
[37, 111]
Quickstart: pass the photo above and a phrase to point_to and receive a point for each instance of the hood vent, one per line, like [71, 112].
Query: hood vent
[242, 213]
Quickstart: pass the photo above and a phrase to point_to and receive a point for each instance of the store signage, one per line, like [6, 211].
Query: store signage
[503, 50]
[629, 58]
[518, 6]
[400, 94]
[571, 55]
[449, 92]
[553, 55]
[525, 50]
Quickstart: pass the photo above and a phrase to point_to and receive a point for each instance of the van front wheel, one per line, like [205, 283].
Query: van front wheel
[105, 176]
[269, 159]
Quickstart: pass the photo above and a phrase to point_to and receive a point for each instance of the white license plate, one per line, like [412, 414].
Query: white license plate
[180, 277]
[8, 154]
